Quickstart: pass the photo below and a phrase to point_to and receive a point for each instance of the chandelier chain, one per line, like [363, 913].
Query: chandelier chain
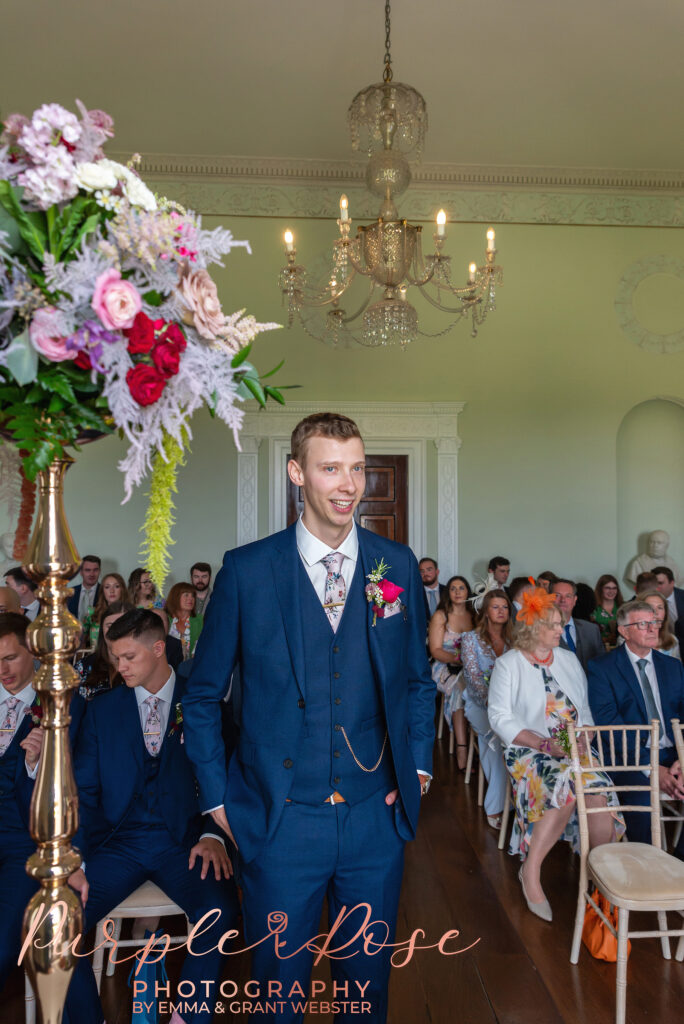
[387, 73]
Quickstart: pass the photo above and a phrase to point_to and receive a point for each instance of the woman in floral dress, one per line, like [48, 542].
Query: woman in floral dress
[535, 690]
[451, 619]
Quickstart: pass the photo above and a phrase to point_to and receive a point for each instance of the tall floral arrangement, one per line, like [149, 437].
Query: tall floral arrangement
[109, 318]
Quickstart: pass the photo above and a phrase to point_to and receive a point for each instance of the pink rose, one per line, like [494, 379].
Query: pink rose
[116, 302]
[390, 591]
[45, 335]
[199, 294]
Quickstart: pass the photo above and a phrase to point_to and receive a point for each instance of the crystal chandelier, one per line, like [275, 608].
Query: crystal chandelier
[391, 118]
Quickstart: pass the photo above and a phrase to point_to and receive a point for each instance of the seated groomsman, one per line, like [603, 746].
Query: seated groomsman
[21, 743]
[580, 637]
[632, 685]
[132, 771]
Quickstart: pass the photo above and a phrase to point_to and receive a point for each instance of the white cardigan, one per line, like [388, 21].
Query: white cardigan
[517, 696]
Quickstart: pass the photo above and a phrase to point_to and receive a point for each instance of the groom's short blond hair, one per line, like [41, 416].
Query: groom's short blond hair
[321, 424]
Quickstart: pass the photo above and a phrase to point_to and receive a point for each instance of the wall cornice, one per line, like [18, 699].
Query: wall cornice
[278, 187]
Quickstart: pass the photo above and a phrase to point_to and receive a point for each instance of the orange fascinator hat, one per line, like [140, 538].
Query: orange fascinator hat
[535, 605]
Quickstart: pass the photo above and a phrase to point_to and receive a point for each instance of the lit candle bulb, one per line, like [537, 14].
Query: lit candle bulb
[490, 240]
[472, 268]
[289, 241]
[441, 224]
[344, 208]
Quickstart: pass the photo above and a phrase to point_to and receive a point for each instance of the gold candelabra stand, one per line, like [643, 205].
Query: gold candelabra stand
[53, 917]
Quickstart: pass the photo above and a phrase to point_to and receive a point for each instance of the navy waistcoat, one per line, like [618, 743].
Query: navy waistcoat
[11, 819]
[341, 694]
[145, 810]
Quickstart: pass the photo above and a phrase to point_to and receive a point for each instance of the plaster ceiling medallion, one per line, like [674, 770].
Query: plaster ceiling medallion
[636, 331]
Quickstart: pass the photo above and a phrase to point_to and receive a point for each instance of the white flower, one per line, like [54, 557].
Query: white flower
[137, 192]
[91, 176]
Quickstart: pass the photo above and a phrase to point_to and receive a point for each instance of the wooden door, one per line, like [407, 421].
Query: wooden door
[384, 506]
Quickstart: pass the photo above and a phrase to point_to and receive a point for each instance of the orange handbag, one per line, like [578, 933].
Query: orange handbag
[596, 935]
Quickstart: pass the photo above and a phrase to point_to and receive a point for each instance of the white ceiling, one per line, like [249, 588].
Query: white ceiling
[535, 83]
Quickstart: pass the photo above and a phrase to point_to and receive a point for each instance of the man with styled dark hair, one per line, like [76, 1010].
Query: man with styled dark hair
[580, 637]
[140, 817]
[25, 588]
[86, 592]
[432, 588]
[200, 577]
[337, 722]
[21, 744]
[500, 568]
[665, 583]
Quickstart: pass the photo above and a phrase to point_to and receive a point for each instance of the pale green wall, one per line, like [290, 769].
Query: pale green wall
[546, 386]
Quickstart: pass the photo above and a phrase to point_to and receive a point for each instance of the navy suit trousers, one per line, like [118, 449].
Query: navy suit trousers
[352, 854]
[16, 889]
[114, 872]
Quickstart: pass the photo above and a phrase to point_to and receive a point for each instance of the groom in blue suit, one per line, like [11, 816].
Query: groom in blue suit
[633, 685]
[337, 726]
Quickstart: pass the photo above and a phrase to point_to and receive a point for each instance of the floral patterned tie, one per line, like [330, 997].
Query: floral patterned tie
[9, 724]
[335, 588]
[152, 726]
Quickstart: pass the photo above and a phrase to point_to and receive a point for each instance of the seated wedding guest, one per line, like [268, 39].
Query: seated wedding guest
[174, 648]
[586, 602]
[132, 771]
[645, 581]
[184, 624]
[86, 593]
[21, 742]
[633, 685]
[25, 588]
[519, 586]
[200, 577]
[452, 619]
[535, 690]
[98, 670]
[500, 568]
[546, 580]
[142, 590]
[582, 638]
[433, 590]
[675, 599]
[479, 650]
[9, 600]
[667, 641]
[112, 590]
[608, 600]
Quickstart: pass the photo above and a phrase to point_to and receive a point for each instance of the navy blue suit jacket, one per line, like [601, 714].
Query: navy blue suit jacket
[72, 603]
[615, 695]
[254, 620]
[108, 765]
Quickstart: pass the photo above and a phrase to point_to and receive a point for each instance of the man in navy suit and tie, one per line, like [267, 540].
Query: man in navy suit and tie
[337, 722]
[86, 592]
[21, 742]
[633, 685]
[139, 813]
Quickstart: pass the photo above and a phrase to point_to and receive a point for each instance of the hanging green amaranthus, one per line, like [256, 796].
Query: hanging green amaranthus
[160, 515]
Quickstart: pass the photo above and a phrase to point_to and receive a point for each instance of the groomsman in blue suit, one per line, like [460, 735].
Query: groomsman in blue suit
[21, 742]
[633, 685]
[140, 817]
[337, 723]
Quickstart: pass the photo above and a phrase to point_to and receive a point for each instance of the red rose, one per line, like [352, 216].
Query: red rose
[166, 359]
[140, 335]
[390, 591]
[175, 337]
[145, 384]
[83, 360]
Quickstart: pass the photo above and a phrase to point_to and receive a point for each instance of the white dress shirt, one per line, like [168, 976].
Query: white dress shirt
[31, 610]
[26, 696]
[312, 550]
[86, 600]
[672, 607]
[165, 696]
[653, 680]
[432, 592]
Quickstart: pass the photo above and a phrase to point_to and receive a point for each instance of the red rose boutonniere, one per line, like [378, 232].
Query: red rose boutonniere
[36, 712]
[178, 721]
[381, 593]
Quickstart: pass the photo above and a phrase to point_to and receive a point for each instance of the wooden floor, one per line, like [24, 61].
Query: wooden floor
[516, 970]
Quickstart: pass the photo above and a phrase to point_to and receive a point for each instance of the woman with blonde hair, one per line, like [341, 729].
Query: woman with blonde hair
[184, 624]
[535, 690]
[667, 641]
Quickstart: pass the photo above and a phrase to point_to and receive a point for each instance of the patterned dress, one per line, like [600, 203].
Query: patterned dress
[446, 677]
[541, 781]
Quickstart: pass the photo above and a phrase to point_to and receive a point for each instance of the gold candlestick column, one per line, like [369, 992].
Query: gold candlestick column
[52, 560]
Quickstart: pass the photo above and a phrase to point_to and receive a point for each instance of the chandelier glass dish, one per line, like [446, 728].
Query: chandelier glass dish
[390, 119]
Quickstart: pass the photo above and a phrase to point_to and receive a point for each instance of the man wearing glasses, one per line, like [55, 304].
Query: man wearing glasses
[632, 685]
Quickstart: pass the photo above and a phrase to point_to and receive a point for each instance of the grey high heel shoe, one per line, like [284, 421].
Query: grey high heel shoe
[542, 910]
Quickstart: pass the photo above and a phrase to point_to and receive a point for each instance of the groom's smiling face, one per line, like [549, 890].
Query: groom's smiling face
[333, 479]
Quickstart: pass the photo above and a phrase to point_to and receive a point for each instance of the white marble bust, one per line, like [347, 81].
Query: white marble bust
[658, 543]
